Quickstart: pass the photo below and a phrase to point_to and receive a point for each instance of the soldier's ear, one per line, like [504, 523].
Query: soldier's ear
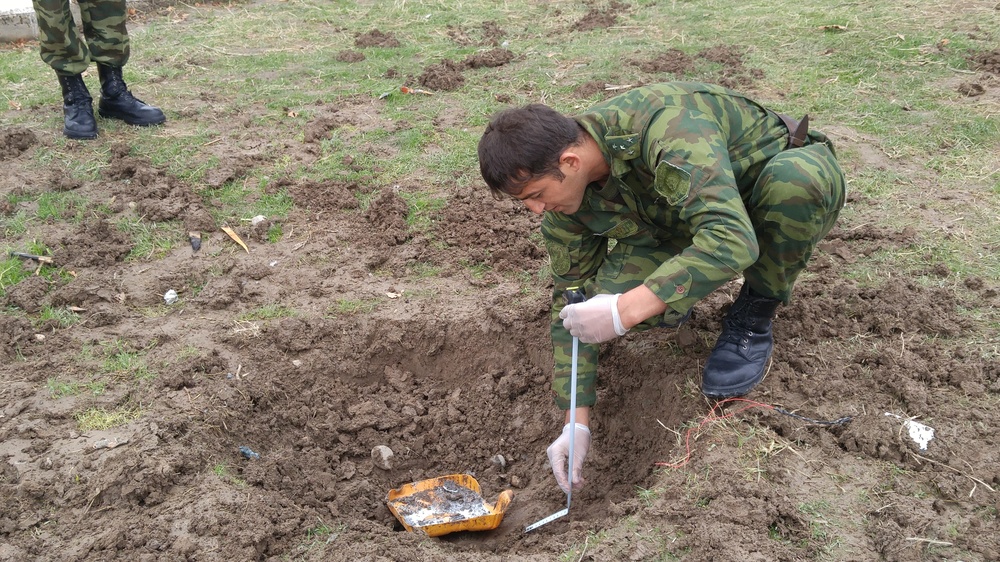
[571, 159]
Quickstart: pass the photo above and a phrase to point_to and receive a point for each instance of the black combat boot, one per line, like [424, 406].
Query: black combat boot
[117, 102]
[740, 356]
[78, 108]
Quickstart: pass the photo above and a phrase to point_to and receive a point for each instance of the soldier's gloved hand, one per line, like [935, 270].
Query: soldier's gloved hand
[558, 452]
[595, 320]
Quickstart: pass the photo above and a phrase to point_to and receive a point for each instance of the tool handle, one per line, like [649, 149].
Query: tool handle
[572, 295]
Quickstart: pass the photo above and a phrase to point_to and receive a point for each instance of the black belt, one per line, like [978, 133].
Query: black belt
[798, 131]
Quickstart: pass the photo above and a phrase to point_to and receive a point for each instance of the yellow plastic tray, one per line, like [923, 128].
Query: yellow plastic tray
[446, 504]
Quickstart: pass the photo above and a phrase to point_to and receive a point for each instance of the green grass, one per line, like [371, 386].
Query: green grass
[60, 316]
[99, 418]
[60, 389]
[123, 362]
[354, 306]
[150, 240]
[268, 312]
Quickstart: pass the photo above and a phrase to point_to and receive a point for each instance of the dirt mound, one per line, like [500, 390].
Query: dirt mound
[15, 141]
[986, 61]
[377, 38]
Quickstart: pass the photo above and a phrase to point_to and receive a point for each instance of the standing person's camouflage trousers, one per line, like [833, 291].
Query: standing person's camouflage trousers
[104, 41]
[105, 38]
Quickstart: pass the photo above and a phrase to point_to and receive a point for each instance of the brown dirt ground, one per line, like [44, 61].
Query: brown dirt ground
[451, 371]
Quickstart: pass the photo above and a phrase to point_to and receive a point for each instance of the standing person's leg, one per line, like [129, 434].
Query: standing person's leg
[104, 22]
[104, 25]
[794, 204]
[64, 50]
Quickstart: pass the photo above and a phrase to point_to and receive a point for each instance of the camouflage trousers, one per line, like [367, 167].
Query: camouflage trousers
[104, 39]
[793, 204]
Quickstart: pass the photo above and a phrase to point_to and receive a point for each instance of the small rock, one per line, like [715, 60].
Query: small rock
[248, 453]
[110, 443]
[499, 461]
[39, 337]
[516, 482]
[47, 463]
[297, 362]
[382, 457]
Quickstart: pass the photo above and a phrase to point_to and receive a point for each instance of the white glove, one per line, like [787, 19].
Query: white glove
[558, 452]
[595, 320]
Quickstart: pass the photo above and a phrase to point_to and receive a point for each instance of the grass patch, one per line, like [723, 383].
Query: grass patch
[61, 389]
[354, 306]
[150, 240]
[267, 312]
[60, 316]
[123, 362]
[96, 419]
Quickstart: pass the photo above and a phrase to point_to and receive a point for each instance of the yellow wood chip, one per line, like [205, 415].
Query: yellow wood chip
[236, 237]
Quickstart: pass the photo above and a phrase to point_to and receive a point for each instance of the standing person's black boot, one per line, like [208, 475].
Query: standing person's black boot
[117, 102]
[78, 108]
[738, 361]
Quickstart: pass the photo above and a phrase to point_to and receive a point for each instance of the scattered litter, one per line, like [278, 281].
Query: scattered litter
[297, 362]
[382, 457]
[170, 297]
[248, 453]
[41, 260]
[39, 337]
[195, 238]
[920, 433]
[236, 237]
[257, 220]
[76, 309]
[407, 90]
[110, 443]
[392, 295]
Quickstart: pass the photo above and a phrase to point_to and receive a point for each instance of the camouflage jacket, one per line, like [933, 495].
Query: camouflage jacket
[682, 157]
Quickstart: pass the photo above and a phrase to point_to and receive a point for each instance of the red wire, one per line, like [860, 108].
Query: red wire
[712, 417]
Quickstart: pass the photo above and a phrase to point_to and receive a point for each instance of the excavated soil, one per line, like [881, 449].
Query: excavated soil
[450, 372]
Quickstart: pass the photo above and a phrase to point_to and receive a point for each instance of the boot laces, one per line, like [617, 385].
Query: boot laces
[77, 92]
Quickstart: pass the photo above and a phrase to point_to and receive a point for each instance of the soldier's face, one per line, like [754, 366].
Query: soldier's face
[551, 194]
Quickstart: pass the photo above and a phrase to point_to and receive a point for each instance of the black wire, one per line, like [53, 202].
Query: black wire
[838, 421]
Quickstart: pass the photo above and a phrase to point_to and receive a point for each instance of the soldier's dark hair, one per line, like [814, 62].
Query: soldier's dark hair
[522, 144]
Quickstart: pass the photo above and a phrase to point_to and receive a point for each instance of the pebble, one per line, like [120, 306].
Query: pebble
[248, 453]
[382, 457]
[499, 461]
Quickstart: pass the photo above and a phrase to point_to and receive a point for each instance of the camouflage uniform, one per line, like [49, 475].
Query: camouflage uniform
[63, 49]
[703, 187]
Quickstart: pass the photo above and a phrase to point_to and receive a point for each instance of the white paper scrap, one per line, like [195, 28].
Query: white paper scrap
[920, 433]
